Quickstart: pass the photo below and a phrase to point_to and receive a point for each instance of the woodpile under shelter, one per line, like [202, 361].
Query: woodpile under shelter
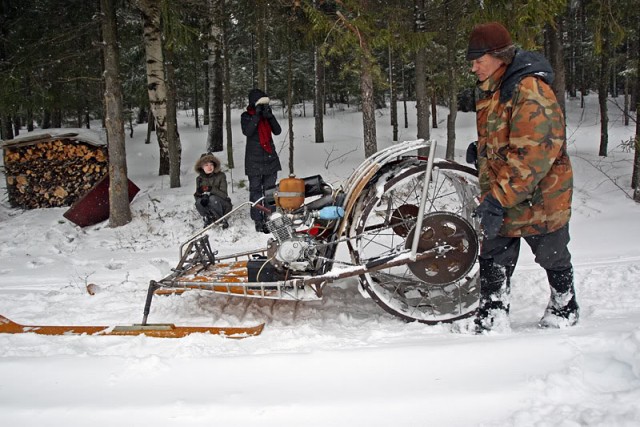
[52, 170]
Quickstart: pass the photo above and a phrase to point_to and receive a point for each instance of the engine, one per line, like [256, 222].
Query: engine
[287, 249]
[298, 251]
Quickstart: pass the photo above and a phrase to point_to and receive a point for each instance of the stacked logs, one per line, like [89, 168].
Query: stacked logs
[52, 171]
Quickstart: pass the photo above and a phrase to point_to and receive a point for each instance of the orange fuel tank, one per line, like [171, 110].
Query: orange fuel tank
[290, 194]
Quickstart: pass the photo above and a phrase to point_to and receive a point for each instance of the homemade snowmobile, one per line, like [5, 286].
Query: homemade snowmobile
[429, 275]
[405, 220]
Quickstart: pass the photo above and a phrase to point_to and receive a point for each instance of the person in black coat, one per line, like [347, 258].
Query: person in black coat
[261, 162]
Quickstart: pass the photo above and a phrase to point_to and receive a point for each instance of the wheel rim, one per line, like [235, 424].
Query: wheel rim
[426, 291]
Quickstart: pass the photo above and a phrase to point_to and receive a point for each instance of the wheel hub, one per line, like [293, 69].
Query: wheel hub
[402, 219]
[455, 243]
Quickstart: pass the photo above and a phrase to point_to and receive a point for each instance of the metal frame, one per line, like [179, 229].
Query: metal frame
[300, 287]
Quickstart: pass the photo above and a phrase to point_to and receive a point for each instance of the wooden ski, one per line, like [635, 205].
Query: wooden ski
[158, 330]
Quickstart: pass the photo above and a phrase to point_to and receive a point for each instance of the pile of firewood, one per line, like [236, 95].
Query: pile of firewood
[52, 172]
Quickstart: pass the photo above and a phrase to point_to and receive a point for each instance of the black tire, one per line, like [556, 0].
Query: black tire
[376, 231]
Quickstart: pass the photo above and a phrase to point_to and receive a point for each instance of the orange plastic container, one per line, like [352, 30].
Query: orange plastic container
[290, 194]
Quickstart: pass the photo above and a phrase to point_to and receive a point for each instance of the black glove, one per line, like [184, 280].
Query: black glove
[472, 154]
[491, 215]
[260, 110]
[204, 201]
[267, 113]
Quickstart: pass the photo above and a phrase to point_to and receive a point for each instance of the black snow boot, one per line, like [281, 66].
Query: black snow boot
[493, 308]
[261, 227]
[563, 310]
[208, 220]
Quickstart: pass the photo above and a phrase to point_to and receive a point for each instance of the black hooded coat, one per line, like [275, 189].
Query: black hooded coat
[257, 161]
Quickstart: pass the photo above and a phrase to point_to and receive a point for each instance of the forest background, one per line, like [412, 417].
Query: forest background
[66, 63]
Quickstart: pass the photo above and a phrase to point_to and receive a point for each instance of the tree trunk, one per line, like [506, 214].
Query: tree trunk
[603, 86]
[393, 98]
[451, 85]
[29, 100]
[46, 119]
[227, 87]
[581, 52]
[434, 109]
[556, 57]
[173, 137]
[205, 112]
[635, 175]
[16, 125]
[368, 105]
[366, 88]
[572, 41]
[119, 210]
[56, 118]
[261, 43]
[422, 97]
[318, 105]
[627, 84]
[29, 119]
[196, 95]
[214, 48]
[7, 127]
[156, 86]
[290, 101]
[151, 127]
[404, 100]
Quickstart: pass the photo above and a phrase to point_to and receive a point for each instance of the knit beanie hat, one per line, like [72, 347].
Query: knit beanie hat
[255, 95]
[487, 38]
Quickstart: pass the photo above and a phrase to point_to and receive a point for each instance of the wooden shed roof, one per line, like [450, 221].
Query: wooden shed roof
[45, 137]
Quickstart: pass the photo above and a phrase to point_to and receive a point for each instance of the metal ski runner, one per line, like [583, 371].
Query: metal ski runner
[165, 330]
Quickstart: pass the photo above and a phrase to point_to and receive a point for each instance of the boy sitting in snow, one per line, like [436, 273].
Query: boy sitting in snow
[212, 200]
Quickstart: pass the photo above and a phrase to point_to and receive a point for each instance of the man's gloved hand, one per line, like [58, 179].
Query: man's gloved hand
[260, 110]
[472, 154]
[267, 113]
[491, 214]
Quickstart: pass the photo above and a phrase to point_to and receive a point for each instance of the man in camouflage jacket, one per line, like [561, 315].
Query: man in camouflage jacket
[525, 175]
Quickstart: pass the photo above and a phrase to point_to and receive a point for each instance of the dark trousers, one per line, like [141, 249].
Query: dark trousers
[216, 207]
[550, 250]
[257, 185]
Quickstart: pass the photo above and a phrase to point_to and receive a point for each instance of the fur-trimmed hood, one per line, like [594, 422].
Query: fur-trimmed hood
[257, 97]
[207, 157]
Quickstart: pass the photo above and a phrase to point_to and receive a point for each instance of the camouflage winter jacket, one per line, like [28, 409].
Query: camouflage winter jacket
[215, 183]
[522, 150]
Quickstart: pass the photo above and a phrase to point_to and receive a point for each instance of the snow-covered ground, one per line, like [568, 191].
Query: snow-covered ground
[341, 361]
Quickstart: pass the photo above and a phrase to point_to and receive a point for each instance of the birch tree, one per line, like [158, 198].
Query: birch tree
[156, 80]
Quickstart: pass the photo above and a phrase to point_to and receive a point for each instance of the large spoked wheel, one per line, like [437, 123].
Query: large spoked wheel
[437, 289]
